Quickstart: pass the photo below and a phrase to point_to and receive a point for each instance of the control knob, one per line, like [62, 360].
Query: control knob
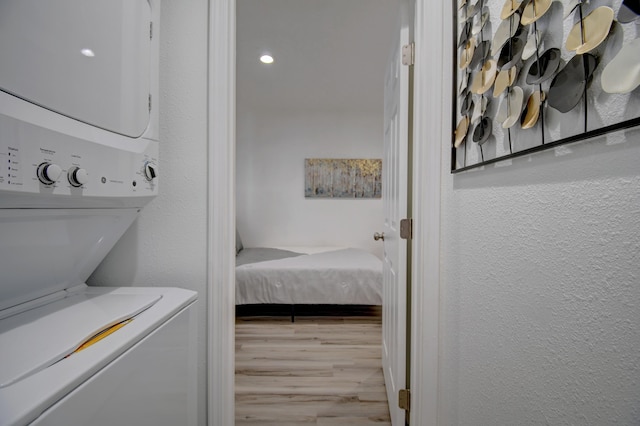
[150, 171]
[49, 173]
[77, 176]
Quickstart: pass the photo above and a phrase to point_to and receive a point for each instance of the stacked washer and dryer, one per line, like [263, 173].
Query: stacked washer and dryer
[78, 160]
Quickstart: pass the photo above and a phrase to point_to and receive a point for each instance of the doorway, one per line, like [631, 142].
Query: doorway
[430, 83]
[321, 97]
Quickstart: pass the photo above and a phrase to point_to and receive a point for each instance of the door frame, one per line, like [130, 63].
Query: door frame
[221, 215]
[430, 102]
[431, 73]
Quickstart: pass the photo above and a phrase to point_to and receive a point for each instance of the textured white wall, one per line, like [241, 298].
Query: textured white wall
[271, 207]
[540, 290]
[166, 246]
[540, 286]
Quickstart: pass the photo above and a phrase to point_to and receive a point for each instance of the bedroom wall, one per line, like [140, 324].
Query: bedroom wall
[271, 207]
[166, 245]
[540, 285]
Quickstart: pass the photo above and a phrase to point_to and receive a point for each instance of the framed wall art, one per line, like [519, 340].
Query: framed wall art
[534, 74]
[342, 178]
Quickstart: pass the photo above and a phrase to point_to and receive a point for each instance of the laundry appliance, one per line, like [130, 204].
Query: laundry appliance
[78, 160]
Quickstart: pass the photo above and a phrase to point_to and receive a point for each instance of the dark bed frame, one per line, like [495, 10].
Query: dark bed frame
[271, 310]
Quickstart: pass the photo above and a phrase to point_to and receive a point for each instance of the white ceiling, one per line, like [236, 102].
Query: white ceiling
[329, 54]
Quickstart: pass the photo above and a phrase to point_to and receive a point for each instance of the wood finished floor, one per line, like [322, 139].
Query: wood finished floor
[319, 370]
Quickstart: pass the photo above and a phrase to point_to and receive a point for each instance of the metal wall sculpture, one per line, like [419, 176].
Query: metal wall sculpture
[535, 74]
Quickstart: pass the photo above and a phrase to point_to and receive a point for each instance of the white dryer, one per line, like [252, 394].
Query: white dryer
[78, 160]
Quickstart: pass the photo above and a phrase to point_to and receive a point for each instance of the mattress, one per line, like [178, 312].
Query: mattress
[347, 276]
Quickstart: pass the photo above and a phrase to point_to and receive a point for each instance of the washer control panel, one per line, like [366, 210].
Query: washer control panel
[38, 161]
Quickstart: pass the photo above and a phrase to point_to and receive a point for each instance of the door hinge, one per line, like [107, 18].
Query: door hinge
[149, 102]
[406, 229]
[404, 399]
[150, 30]
[408, 54]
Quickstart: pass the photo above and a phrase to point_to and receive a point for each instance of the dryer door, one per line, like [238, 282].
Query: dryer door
[85, 59]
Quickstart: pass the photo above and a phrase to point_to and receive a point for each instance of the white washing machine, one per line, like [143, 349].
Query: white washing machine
[78, 160]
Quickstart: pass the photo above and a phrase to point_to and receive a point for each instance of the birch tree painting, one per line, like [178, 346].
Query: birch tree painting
[343, 178]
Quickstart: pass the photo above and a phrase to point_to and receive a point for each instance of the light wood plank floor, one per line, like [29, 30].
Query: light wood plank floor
[319, 370]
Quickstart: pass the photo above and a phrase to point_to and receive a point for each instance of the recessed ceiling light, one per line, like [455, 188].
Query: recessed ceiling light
[266, 59]
[88, 52]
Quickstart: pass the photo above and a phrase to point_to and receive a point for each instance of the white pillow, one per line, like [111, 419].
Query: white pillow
[239, 246]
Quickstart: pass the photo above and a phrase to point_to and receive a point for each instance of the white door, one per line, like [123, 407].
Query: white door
[394, 195]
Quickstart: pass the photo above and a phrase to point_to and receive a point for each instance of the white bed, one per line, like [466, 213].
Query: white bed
[296, 276]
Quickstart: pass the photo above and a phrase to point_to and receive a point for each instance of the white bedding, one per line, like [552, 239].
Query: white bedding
[310, 250]
[342, 277]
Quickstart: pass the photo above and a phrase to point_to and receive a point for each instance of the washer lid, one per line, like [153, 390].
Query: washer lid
[38, 338]
[86, 59]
